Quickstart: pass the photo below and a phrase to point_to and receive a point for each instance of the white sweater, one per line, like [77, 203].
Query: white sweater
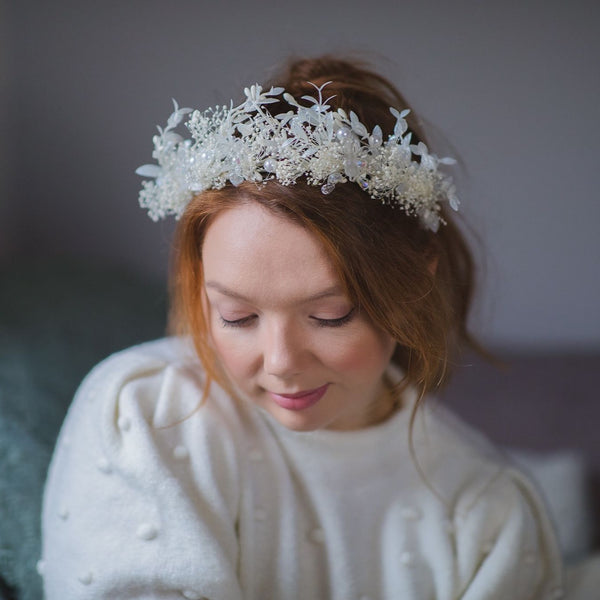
[151, 496]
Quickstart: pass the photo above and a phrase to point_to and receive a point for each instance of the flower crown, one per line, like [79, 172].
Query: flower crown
[325, 146]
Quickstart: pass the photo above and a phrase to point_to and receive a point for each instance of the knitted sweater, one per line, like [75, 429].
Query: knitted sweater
[152, 495]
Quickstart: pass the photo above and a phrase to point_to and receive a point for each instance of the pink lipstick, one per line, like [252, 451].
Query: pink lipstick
[299, 400]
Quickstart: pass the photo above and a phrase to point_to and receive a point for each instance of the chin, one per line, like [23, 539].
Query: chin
[296, 421]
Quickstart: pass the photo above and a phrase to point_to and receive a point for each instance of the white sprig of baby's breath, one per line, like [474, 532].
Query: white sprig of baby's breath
[230, 145]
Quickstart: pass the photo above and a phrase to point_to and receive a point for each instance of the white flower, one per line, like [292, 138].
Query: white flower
[246, 143]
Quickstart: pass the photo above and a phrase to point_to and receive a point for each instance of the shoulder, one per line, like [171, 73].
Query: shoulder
[144, 408]
[142, 457]
[503, 536]
[160, 383]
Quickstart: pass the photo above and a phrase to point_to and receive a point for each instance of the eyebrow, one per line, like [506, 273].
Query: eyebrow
[334, 290]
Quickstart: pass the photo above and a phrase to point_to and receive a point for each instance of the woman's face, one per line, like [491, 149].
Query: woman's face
[283, 328]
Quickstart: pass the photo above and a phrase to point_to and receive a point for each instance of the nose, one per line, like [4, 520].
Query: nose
[282, 350]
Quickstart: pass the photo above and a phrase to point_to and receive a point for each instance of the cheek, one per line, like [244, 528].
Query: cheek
[235, 355]
[366, 353]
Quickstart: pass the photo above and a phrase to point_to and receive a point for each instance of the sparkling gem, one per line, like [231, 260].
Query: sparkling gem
[270, 165]
[342, 133]
[327, 188]
[147, 532]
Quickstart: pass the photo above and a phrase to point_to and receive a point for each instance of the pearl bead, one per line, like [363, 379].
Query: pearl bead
[342, 134]
[270, 165]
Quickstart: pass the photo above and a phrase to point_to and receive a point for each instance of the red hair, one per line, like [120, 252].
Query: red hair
[414, 284]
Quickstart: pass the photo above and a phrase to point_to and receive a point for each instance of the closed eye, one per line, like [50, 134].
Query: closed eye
[334, 322]
[243, 322]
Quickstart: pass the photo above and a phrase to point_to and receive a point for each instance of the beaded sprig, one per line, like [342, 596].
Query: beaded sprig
[230, 145]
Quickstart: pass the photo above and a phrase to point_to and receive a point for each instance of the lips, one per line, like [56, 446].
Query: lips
[299, 400]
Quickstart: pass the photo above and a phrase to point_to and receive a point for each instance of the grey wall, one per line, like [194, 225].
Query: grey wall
[513, 86]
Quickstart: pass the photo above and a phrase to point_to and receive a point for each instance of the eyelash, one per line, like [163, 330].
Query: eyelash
[237, 323]
[320, 322]
[335, 322]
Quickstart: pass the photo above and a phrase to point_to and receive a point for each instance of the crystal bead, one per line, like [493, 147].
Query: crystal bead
[343, 133]
[327, 188]
[270, 165]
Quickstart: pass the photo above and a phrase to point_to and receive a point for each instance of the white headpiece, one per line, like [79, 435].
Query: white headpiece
[326, 147]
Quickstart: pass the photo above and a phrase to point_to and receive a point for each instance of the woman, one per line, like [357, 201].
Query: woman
[282, 444]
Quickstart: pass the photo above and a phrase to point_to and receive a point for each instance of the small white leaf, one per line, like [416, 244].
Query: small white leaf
[149, 171]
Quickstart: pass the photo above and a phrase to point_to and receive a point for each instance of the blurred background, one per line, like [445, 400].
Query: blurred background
[510, 88]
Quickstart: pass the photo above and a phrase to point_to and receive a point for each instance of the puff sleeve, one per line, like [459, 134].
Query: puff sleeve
[142, 494]
[505, 545]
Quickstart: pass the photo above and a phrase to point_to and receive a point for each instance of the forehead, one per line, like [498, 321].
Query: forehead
[260, 254]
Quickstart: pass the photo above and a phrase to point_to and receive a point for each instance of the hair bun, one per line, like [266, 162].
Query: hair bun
[354, 86]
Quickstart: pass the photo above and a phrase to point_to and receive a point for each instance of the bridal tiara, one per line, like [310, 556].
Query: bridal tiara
[322, 145]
